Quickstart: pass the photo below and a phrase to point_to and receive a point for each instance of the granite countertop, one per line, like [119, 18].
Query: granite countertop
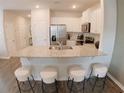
[87, 50]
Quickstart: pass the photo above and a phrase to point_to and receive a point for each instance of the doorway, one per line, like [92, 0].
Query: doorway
[17, 25]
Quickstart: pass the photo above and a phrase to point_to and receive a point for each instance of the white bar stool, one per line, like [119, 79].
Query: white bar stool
[49, 76]
[76, 74]
[22, 75]
[99, 71]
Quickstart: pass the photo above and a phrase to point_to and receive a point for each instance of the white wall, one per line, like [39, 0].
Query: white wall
[117, 63]
[109, 16]
[40, 20]
[3, 48]
[72, 23]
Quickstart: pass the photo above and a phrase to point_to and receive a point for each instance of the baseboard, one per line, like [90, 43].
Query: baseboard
[5, 57]
[116, 81]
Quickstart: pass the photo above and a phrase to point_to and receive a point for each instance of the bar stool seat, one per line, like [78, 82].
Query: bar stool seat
[49, 74]
[99, 69]
[22, 74]
[100, 72]
[49, 77]
[77, 73]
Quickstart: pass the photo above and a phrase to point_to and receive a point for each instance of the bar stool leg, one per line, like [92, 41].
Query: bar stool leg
[42, 86]
[56, 84]
[104, 82]
[90, 74]
[30, 85]
[68, 82]
[95, 83]
[33, 80]
[84, 85]
[71, 85]
[89, 78]
[18, 85]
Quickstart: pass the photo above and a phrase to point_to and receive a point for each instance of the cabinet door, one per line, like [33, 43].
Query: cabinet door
[93, 20]
[10, 36]
[93, 15]
[22, 31]
[86, 16]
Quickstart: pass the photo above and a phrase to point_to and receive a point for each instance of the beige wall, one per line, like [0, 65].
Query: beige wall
[117, 64]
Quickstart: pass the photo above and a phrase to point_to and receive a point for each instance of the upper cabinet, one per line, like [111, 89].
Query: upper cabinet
[72, 23]
[85, 16]
[93, 15]
[70, 19]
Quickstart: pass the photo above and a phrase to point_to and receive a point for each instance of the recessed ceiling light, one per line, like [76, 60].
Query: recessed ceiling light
[37, 6]
[29, 15]
[74, 6]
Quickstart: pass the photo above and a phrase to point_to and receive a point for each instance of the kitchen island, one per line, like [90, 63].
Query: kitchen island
[39, 57]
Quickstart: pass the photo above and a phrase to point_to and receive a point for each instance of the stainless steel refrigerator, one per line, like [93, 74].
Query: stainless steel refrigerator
[57, 34]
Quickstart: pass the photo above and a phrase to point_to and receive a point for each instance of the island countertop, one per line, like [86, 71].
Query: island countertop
[87, 50]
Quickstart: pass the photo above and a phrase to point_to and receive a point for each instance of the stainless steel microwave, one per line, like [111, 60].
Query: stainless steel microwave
[86, 27]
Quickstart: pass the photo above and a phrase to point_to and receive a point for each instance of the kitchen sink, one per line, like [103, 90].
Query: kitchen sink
[60, 48]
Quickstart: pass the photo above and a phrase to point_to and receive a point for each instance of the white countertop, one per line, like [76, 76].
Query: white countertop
[87, 50]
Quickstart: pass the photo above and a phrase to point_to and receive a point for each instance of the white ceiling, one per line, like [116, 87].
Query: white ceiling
[64, 5]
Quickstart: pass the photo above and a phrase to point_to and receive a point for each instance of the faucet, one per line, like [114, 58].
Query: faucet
[60, 44]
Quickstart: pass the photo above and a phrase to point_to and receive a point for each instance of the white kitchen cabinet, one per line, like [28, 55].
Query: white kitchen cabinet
[40, 27]
[93, 15]
[95, 19]
[72, 23]
[85, 16]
